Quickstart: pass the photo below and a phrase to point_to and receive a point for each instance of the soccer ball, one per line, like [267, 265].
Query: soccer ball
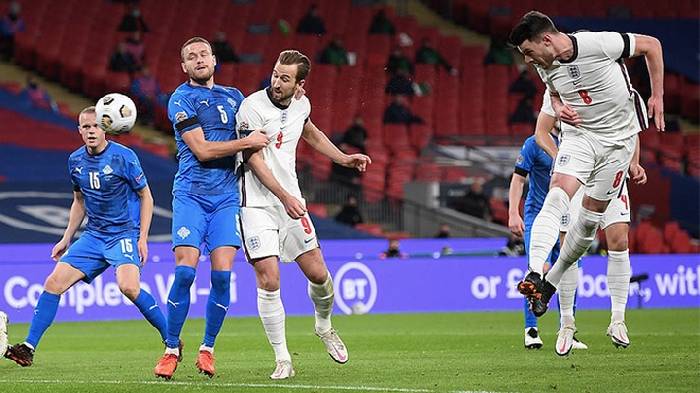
[116, 113]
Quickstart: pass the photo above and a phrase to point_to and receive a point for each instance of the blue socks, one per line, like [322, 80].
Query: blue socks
[530, 318]
[217, 305]
[179, 303]
[44, 313]
[148, 307]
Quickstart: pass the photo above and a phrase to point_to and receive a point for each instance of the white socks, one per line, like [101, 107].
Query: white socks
[577, 242]
[619, 272]
[272, 316]
[322, 297]
[567, 292]
[545, 228]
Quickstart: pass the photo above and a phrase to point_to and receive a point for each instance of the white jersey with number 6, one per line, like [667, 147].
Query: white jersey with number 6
[594, 82]
[283, 126]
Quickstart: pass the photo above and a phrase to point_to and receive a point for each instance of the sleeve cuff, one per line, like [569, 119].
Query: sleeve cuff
[521, 171]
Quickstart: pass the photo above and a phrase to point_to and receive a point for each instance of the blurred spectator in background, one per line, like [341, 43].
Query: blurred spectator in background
[499, 52]
[475, 202]
[350, 213]
[381, 24]
[443, 231]
[334, 53]
[10, 24]
[393, 251]
[133, 21]
[145, 90]
[134, 45]
[311, 23]
[223, 50]
[398, 61]
[524, 84]
[354, 136]
[427, 54]
[399, 113]
[524, 112]
[37, 96]
[514, 248]
[122, 60]
[400, 83]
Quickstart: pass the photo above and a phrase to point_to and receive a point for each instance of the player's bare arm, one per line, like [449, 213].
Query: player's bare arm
[319, 141]
[206, 150]
[515, 193]
[650, 48]
[295, 209]
[146, 215]
[545, 124]
[637, 172]
[564, 112]
[75, 218]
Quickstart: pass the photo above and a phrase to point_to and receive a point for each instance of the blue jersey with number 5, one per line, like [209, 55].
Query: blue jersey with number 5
[109, 182]
[214, 110]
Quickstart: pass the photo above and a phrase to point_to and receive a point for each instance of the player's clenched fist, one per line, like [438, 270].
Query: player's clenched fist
[359, 161]
[257, 140]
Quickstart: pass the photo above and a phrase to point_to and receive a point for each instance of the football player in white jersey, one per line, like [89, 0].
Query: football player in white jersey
[274, 221]
[615, 223]
[601, 115]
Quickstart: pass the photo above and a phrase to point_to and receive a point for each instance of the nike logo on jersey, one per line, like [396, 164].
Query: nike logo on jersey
[612, 192]
[624, 214]
[205, 102]
[309, 240]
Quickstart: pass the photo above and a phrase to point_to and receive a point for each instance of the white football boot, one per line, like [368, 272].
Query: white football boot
[283, 370]
[334, 345]
[579, 344]
[565, 340]
[618, 334]
[532, 338]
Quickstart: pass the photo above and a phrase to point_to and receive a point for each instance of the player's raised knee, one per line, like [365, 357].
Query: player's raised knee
[130, 290]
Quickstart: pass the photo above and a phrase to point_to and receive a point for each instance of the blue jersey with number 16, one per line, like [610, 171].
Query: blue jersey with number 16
[214, 110]
[109, 182]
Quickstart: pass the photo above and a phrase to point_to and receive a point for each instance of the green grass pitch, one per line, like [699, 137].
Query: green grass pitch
[461, 352]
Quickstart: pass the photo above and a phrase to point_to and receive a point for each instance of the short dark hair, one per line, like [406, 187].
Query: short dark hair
[291, 57]
[192, 41]
[530, 27]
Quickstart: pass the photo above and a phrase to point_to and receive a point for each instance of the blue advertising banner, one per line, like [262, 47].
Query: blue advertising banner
[362, 285]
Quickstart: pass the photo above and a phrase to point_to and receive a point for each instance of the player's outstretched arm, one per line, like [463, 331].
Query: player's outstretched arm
[206, 150]
[650, 48]
[75, 218]
[319, 141]
[146, 215]
[545, 124]
[515, 193]
[295, 209]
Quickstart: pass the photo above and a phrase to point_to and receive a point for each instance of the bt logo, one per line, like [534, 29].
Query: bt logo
[355, 287]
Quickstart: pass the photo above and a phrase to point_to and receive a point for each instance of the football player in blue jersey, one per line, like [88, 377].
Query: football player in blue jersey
[536, 163]
[104, 175]
[205, 197]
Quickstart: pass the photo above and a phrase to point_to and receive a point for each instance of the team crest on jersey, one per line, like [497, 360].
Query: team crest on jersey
[233, 103]
[564, 159]
[180, 116]
[107, 170]
[574, 71]
[565, 219]
[254, 243]
[283, 118]
[520, 160]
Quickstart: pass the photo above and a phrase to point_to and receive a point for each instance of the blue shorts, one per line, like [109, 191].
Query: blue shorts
[92, 254]
[206, 219]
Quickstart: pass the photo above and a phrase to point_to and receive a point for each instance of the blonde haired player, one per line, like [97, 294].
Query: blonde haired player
[274, 221]
[601, 115]
[615, 223]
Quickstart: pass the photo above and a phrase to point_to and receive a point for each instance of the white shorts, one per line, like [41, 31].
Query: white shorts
[618, 210]
[269, 231]
[601, 168]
